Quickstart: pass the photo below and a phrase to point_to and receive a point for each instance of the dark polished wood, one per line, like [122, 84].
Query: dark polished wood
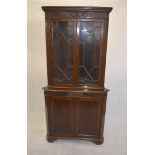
[75, 97]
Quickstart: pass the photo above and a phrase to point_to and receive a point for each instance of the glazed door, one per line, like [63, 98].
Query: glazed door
[63, 51]
[77, 51]
[89, 50]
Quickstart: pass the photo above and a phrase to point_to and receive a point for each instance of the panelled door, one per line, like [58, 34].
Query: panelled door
[89, 116]
[60, 114]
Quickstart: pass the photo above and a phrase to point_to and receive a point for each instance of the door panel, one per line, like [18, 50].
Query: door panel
[61, 115]
[89, 42]
[63, 49]
[88, 115]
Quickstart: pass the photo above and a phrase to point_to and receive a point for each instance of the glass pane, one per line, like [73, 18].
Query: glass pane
[63, 51]
[89, 51]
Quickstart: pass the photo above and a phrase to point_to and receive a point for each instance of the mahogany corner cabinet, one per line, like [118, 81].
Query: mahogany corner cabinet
[75, 97]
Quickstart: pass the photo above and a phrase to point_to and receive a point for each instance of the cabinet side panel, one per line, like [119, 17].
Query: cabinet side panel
[49, 34]
[48, 110]
[103, 51]
[103, 111]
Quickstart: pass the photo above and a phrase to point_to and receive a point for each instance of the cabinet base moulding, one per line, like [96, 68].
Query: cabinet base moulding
[97, 141]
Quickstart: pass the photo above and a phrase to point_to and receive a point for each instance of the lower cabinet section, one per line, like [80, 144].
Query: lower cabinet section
[75, 117]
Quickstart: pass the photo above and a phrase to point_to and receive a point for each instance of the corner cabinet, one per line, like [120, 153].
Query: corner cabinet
[75, 98]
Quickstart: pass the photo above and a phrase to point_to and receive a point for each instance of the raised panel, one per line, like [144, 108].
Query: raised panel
[62, 114]
[88, 115]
